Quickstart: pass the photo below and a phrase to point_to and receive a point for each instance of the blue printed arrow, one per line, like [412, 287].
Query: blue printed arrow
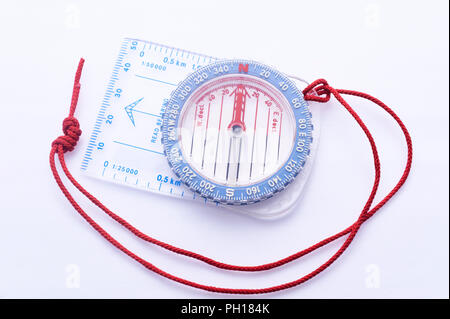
[129, 109]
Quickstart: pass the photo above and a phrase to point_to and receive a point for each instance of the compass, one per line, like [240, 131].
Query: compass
[237, 131]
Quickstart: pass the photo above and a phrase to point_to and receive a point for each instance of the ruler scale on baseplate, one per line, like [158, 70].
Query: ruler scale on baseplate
[125, 146]
[226, 143]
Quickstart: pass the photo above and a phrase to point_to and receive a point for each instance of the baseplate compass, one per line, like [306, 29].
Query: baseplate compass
[237, 131]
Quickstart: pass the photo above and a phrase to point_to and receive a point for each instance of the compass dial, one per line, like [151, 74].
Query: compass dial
[236, 131]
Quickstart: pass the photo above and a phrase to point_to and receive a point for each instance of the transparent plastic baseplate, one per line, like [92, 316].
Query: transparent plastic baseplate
[125, 143]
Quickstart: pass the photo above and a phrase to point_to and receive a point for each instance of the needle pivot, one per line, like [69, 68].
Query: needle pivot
[237, 124]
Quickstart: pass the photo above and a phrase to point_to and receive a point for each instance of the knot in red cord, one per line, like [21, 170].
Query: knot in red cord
[72, 132]
[318, 91]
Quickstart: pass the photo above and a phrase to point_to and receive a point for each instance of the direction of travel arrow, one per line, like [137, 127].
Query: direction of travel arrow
[129, 110]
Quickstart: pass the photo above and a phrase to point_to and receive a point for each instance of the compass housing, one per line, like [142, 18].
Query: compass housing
[211, 123]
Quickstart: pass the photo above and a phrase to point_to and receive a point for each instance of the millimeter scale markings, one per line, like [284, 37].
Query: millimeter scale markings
[125, 143]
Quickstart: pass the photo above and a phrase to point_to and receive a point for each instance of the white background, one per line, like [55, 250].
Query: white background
[396, 50]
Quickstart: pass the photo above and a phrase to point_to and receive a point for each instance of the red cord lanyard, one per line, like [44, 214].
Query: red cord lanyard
[323, 92]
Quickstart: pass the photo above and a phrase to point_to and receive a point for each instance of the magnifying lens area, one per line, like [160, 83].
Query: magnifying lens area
[236, 130]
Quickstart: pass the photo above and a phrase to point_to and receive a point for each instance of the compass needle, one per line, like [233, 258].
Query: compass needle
[237, 129]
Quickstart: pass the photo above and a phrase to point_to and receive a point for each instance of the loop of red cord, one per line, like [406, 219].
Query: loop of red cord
[318, 91]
